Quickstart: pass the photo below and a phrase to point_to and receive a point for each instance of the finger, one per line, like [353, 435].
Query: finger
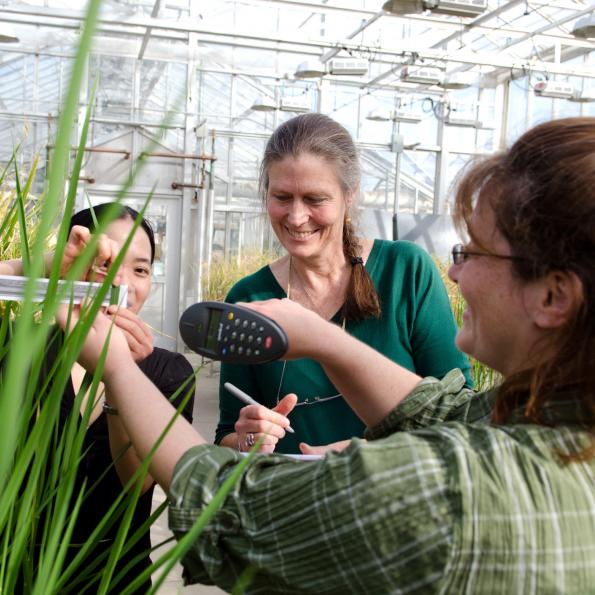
[261, 417]
[135, 347]
[134, 318]
[259, 426]
[307, 449]
[129, 325]
[286, 404]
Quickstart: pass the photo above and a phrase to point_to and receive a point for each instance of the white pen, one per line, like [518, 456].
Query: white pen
[242, 396]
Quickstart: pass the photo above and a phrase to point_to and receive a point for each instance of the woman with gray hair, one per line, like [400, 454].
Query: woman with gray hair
[387, 294]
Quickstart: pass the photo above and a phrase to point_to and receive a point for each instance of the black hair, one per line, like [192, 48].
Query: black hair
[119, 211]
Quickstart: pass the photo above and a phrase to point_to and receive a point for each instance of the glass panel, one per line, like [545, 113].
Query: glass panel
[162, 88]
[115, 92]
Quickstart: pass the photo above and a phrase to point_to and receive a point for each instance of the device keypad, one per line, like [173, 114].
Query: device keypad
[244, 343]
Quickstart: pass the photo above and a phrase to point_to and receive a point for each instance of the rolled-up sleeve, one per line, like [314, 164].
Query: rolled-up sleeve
[373, 519]
[435, 401]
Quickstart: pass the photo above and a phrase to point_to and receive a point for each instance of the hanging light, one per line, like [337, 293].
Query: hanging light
[457, 80]
[401, 7]
[311, 69]
[7, 34]
[583, 96]
[459, 8]
[264, 103]
[379, 115]
[585, 27]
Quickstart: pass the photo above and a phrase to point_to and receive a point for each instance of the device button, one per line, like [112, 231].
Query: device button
[224, 351]
[248, 351]
[257, 352]
[245, 324]
[225, 339]
[242, 336]
[240, 350]
[236, 322]
[261, 329]
[234, 335]
[268, 342]
[258, 340]
[230, 315]
[253, 325]
[232, 348]
[250, 338]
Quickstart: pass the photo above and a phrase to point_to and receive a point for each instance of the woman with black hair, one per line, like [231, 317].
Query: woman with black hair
[108, 462]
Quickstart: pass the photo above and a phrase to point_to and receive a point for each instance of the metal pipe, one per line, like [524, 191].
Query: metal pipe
[179, 155]
[88, 179]
[176, 185]
[124, 152]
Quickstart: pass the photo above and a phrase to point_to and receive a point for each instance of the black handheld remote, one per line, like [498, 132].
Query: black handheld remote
[232, 333]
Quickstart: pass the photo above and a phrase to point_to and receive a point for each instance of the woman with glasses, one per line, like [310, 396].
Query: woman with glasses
[454, 491]
[387, 294]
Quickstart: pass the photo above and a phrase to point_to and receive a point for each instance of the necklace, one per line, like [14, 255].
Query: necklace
[313, 305]
[313, 400]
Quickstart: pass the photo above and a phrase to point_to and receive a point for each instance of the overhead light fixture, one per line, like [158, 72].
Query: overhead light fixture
[459, 8]
[7, 34]
[298, 103]
[311, 69]
[348, 66]
[264, 104]
[585, 27]
[458, 80]
[553, 89]
[425, 75]
[379, 115]
[583, 96]
[399, 115]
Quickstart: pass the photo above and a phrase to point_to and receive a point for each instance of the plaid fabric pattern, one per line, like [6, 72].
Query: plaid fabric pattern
[437, 501]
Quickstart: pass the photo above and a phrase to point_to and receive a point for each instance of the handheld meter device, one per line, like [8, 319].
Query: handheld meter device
[232, 333]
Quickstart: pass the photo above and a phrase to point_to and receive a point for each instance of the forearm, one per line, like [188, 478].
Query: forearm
[125, 458]
[372, 384]
[15, 266]
[145, 413]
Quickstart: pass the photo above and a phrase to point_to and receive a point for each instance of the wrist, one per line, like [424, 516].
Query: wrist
[119, 374]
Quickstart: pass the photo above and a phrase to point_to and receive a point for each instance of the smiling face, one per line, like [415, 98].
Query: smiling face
[136, 267]
[498, 324]
[307, 206]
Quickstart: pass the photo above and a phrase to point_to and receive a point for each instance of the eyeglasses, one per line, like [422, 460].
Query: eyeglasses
[460, 255]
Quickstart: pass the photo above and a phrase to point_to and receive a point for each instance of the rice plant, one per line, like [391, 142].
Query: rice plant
[39, 456]
[223, 274]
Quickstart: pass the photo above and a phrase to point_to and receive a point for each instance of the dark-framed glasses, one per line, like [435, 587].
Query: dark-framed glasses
[460, 254]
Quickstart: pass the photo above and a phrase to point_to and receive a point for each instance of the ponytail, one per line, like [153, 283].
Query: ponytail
[362, 300]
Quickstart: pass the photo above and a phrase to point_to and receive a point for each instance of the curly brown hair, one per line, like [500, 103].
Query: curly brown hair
[542, 193]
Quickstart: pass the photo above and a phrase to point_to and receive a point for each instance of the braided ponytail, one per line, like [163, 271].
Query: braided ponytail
[362, 299]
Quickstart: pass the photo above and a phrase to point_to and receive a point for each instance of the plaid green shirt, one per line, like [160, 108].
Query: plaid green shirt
[438, 501]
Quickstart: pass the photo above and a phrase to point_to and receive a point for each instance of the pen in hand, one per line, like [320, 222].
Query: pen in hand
[242, 396]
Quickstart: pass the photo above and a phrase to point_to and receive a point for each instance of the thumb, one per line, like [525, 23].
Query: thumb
[286, 404]
[306, 449]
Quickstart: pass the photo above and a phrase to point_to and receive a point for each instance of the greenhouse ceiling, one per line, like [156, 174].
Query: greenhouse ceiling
[357, 41]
